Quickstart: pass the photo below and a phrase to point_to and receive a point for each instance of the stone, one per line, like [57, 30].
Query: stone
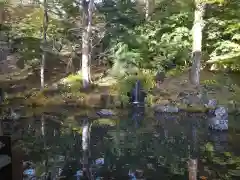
[219, 121]
[137, 95]
[166, 108]
[4, 161]
[212, 103]
[29, 172]
[105, 112]
[221, 112]
[99, 161]
[218, 124]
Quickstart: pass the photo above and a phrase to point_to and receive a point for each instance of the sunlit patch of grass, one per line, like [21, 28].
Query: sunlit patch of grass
[209, 82]
[73, 82]
[209, 147]
[176, 71]
[105, 121]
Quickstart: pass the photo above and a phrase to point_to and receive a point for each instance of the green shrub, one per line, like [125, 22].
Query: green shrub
[126, 83]
[73, 82]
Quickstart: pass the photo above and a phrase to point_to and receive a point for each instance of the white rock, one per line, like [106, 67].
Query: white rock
[212, 103]
[29, 172]
[105, 112]
[221, 112]
[218, 124]
[166, 108]
[99, 161]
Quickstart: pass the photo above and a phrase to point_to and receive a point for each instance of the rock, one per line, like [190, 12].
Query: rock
[211, 106]
[29, 172]
[220, 119]
[105, 112]
[218, 124]
[166, 108]
[212, 103]
[99, 161]
[79, 173]
[221, 113]
[4, 161]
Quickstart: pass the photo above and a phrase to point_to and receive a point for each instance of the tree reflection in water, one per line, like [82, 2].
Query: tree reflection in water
[138, 145]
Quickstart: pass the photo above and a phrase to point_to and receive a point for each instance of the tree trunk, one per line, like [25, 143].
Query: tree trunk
[45, 26]
[1, 13]
[87, 23]
[146, 6]
[85, 147]
[192, 169]
[197, 42]
[2, 34]
[147, 3]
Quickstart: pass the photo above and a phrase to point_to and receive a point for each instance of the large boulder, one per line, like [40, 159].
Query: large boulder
[220, 119]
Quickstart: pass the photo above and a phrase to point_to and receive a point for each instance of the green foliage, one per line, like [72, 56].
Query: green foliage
[73, 82]
[222, 34]
[125, 84]
[154, 45]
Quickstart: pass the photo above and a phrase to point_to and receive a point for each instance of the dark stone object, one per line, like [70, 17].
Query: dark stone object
[2, 95]
[5, 158]
[137, 95]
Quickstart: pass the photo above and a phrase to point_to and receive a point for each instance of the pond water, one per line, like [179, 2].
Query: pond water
[152, 146]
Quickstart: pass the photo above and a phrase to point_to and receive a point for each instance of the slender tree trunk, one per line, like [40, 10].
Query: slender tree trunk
[2, 42]
[45, 26]
[197, 42]
[1, 13]
[193, 160]
[147, 4]
[87, 23]
[85, 147]
[192, 169]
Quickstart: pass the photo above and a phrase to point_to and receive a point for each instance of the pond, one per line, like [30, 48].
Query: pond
[147, 146]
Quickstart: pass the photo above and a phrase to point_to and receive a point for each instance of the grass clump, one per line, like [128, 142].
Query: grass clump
[73, 82]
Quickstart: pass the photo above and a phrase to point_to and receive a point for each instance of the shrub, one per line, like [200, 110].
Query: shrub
[126, 83]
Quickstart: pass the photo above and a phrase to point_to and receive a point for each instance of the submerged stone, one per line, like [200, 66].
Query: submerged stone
[99, 161]
[105, 112]
[219, 116]
[221, 112]
[218, 124]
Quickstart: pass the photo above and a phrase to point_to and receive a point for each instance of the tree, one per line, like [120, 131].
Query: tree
[86, 35]
[1, 13]
[146, 7]
[45, 27]
[197, 29]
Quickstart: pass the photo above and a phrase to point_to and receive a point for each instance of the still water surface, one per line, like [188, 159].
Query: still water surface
[146, 145]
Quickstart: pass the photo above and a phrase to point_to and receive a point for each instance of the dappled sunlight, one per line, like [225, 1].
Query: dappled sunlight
[104, 121]
[139, 116]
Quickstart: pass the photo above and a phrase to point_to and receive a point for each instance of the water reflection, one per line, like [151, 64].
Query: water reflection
[141, 146]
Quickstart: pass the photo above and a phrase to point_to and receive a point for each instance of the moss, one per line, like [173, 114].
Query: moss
[73, 82]
[105, 121]
[193, 109]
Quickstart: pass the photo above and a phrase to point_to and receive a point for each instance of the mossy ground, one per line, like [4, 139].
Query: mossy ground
[107, 92]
